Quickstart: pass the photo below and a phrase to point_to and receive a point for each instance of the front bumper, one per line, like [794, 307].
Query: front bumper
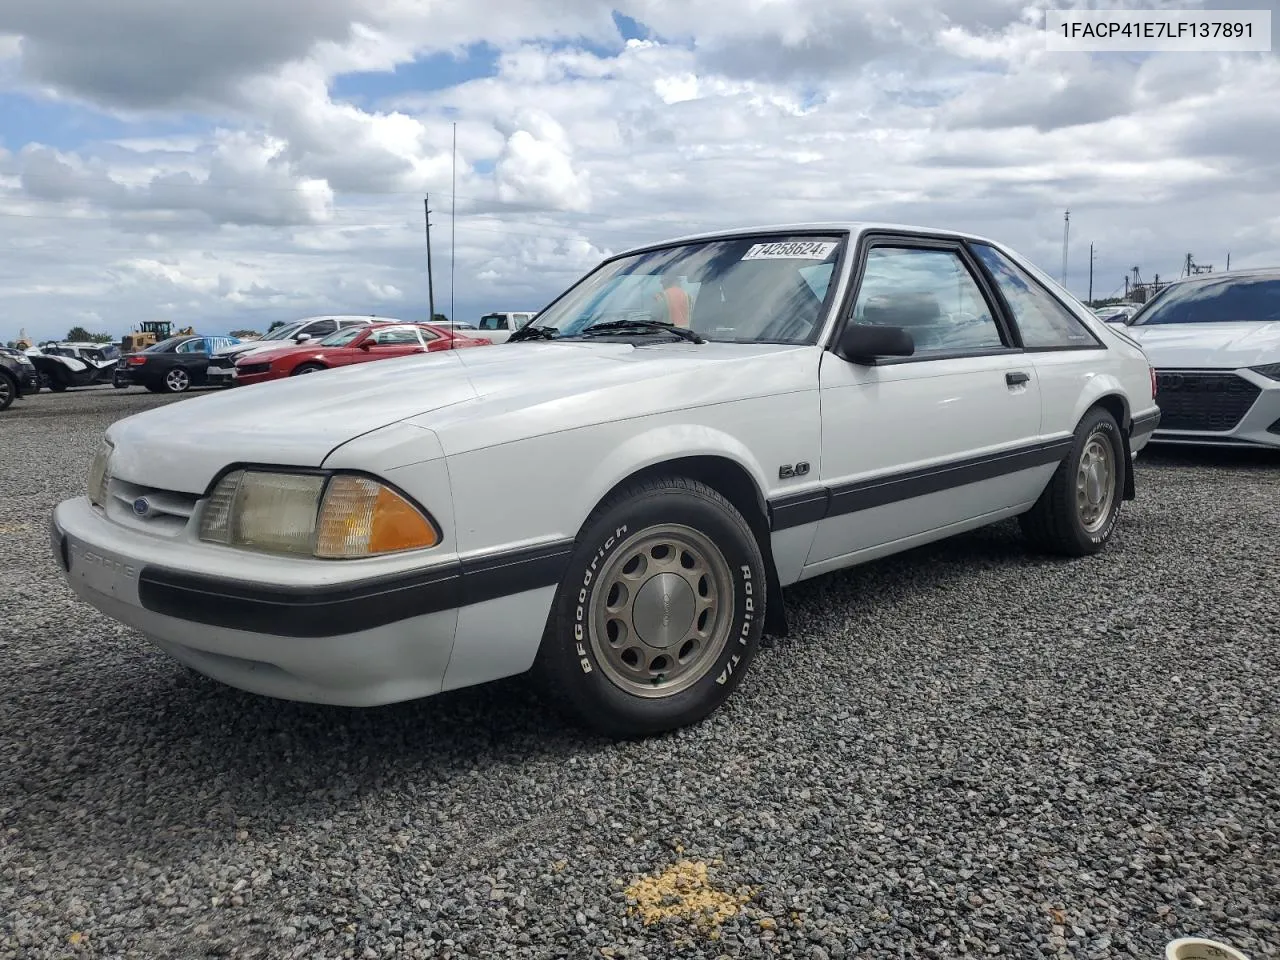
[249, 379]
[221, 376]
[338, 637]
[28, 380]
[1246, 415]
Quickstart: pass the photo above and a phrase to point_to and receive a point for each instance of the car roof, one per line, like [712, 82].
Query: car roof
[853, 227]
[343, 316]
[1247, 273]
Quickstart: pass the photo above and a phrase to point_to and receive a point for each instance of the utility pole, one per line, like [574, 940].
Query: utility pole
[431, 293]
[1091, 271]
[1066, 231]
[1228, 260]
[453, 220]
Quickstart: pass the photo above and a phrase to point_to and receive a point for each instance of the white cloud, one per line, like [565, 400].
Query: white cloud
[299, 202]
[536, 166]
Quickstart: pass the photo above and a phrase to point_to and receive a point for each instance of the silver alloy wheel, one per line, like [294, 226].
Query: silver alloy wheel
[1095, 483]
[661, 611]
[177, 380]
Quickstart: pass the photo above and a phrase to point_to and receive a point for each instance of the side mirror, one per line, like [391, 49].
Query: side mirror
[1118, 318]
[302, 338]
[862, 343]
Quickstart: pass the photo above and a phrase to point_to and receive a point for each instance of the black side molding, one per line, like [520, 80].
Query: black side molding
[794, 510]
[326, 611]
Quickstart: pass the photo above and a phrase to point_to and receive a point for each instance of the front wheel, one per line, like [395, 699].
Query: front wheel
[57, 386]
[308, 368]
[660, 612]
[1077, 512]
[8, 391]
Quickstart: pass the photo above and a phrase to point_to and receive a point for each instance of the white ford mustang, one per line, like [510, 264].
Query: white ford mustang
[692, 426]
[1215, 343]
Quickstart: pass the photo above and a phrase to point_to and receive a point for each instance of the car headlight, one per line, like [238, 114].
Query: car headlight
[337, 516]
[1270, 370]
[100, 474]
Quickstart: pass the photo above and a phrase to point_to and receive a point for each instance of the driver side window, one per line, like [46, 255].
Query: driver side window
[398, 335]
[929, 293]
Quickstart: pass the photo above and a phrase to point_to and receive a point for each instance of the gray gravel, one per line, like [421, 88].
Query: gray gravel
[963, 750]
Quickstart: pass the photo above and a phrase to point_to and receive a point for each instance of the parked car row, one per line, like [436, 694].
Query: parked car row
[707, 421]
[18, 376]
[165, 363]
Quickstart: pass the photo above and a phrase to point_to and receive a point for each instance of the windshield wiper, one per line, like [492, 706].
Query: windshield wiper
[608, 325]
[529, 332]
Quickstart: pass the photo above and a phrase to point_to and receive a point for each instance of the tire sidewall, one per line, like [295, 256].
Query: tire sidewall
[13, 392]
[575, 659]
[1105, 424]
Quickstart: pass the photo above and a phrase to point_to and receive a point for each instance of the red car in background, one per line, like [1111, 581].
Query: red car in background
[374, 341]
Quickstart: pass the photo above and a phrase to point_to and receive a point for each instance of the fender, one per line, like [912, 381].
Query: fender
[658, 445]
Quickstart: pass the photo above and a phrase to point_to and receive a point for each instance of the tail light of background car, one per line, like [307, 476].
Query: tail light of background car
[137, 361]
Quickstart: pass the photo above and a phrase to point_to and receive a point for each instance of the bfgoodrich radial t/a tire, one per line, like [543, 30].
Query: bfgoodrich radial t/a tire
[1078, 510]
[660, 612]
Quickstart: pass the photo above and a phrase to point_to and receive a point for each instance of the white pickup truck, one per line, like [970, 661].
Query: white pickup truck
[501, 324]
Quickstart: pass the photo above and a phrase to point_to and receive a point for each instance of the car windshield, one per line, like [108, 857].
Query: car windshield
[345, 335]
[1220, 300]
[756, 289]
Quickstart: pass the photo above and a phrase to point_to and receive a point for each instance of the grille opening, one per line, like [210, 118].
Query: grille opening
[1200, 400]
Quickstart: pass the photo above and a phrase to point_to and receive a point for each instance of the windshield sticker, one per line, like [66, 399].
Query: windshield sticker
[791, 250]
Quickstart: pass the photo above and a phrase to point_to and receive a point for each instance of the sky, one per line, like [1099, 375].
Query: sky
[226, 165]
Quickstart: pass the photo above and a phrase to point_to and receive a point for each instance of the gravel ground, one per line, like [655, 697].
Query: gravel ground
[962, 750]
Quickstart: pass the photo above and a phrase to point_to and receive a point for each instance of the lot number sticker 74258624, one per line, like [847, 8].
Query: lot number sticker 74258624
[791, 250]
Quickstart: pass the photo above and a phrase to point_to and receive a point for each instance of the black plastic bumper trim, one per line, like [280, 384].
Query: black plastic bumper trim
[794, 510]
[1141, 426]
[328, 611]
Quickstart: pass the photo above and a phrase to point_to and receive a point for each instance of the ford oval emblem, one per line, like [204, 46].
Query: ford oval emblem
[142, 506]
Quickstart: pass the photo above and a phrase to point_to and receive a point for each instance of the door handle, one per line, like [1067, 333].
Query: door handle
[1013, 379]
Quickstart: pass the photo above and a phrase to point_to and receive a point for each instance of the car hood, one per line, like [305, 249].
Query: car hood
[1226, 345]
[513, 390]
[253, 346]
[273, 351]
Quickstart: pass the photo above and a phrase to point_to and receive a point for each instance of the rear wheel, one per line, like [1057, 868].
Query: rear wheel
[1077, 512]
[660, 612]
[57, 386]
[177, 380]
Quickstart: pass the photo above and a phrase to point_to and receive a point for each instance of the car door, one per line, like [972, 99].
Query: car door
[917, 446]
[1063, 350]
[387, 342]
[193, 356]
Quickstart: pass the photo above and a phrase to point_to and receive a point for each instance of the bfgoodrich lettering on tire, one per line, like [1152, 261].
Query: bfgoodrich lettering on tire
[660, 612]
[1078, 510]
